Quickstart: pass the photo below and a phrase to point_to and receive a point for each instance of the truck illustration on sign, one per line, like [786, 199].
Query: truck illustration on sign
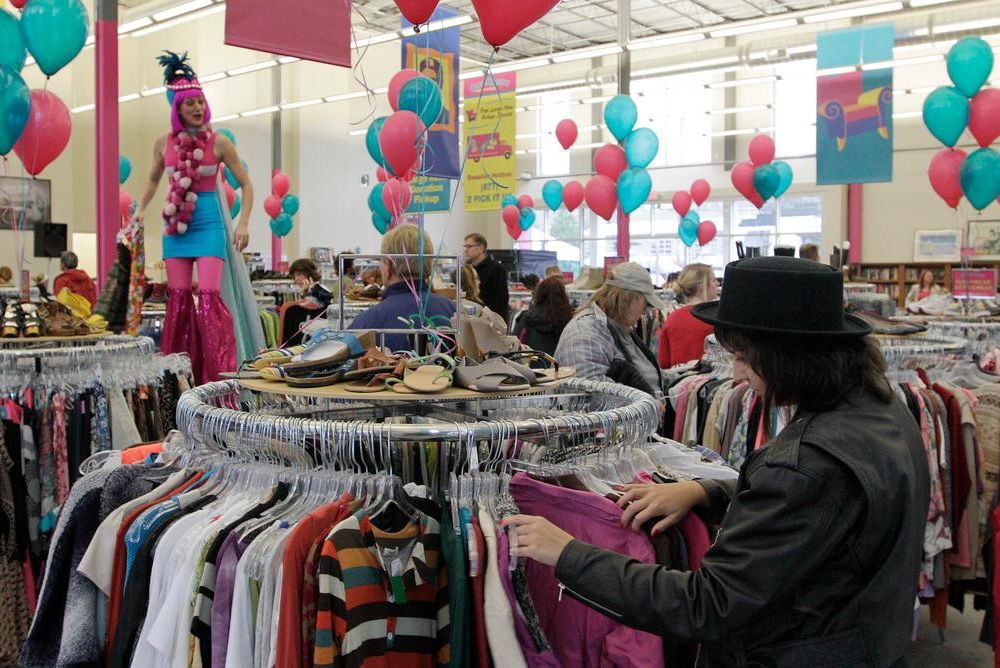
[488, 146]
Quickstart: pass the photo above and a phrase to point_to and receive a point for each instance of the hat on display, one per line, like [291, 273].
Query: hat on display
[181, 83]
[634, 277]
[785, 296]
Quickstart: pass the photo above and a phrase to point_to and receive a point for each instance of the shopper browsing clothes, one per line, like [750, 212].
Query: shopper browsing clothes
[492, 276]
[543, 323]
[817, 559]
[682, 338]
[195, 232]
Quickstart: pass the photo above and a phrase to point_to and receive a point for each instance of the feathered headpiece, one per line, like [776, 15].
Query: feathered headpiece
[181, 82]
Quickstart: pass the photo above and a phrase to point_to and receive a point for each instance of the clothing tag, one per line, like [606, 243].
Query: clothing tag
[396, 580]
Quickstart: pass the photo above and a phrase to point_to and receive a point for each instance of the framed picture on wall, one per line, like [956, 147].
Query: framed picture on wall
[27, 202]
[937, 246]
[984, 239]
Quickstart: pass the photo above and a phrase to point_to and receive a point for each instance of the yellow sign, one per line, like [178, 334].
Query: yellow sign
[490, 127]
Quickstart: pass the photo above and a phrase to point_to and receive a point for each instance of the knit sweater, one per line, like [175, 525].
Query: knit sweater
[682, 338]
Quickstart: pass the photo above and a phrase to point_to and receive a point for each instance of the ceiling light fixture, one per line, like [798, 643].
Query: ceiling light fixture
[227, 117]
[748, 28]
[129, 26]
[215, 76]
[928, 3]
[667, 40]
[733, 133]
[259, 112]
[180, 20]
[854, 12]
[82, 108]
[741, 110]
[583, 54]
[254, 67]
[184, 8]
[736, 83]
[304, 103]
[375, 39]
[967, 25]
[149, 92]
[128, 97]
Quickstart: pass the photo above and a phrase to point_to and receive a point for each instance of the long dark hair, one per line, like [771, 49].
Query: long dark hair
[815, 374]
[551, 293]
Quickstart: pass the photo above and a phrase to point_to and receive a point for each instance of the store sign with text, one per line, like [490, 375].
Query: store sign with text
[974, 283]
[490, 127]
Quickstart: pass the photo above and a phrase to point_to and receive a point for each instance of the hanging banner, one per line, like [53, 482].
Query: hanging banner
[490, 127]
[430, 195]
[854, 137]
[319, 31]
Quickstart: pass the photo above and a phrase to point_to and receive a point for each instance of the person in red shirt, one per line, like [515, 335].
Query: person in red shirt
[682, 338]
[75, 279]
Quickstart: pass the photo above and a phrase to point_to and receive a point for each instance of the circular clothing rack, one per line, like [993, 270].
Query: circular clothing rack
[63, 346]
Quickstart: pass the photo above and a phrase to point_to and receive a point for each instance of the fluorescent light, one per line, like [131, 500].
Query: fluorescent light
[923, 90]
[258, 112]
[583, 54]
[128, 97]
[452, 22]
[751, 81]
[227, 117]
[129, 26]
[801, 50]
[521, 151]
[854, 12]
[246, 69]
[288, 60]
[967, 25]
[357, 133]
[530, 135]
[303, 103]
[666, 40]
[82, 108]
[596, 100]
[834, 71]
[580, 147]
[346, 96]
[907, 114]
[741, 110]
[747, 28]
[149, 92]
[701, 65]
[375, 39]
[381, 91]
[183, 8]
[90, 40]
[733, 133]
[518, 65]
[902, 62]
[471, 74]
[928, 3]
[212, 77]
[572, 84]
[180, 20]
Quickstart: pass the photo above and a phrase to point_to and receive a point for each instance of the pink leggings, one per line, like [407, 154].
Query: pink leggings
[179, 270]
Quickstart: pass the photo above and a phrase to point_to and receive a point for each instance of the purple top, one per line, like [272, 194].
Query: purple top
[222, 602]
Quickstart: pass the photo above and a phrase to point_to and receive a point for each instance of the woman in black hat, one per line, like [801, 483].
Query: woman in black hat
[817, 559]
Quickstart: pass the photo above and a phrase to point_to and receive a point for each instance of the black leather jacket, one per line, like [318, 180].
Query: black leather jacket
[817, 560]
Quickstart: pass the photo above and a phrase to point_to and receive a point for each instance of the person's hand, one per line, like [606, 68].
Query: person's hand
[241, 236]
[538, 538]
[671, 502]
[137, 217]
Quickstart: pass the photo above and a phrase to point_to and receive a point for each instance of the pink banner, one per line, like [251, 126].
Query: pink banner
[974, 283]
[319, 31]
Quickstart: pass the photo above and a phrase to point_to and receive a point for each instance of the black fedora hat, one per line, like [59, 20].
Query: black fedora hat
[783, 295]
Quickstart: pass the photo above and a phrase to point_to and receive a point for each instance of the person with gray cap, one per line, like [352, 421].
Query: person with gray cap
[600, 341]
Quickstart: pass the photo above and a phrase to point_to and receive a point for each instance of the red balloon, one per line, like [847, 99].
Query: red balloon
[19, 3]
[602, 196]
[742, 177]
[757, 200]
[514, 230]
[125, 204]
[396, 195]
[381, 174]
[272, 205]
[511, 216]
[700, 190]
[706, 232]
[399, 139]
[230, 194]
[399, 79]
[944, 175]
[500, 20]
[984, 116]
[682, 203]
[280, 184]
[566, 132]
[573, 195]
[416, 11]
[761, 150]
[47, 133]
[525, 202]
[610, 161]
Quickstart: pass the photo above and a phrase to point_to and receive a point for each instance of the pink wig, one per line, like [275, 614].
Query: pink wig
[175, 108]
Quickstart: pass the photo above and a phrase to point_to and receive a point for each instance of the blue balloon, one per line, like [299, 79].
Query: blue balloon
[785, 173]
[371, 140]
[641, 147]
[381, 224]
[237, 206]
[231, 178]
[15, 107]
[375, 202]
[766, 180]
[54, 31]
[228, 134]
[688, 231]
[12, 51]
[552, 194]
[124, 169]
[422, 96]
[970, 62]
[507, 200]
[980, 177]
[634, 186]
[620, 115]
[290, 204]
[281, 225]
[946, 113]
[527, 218]
[693, 216]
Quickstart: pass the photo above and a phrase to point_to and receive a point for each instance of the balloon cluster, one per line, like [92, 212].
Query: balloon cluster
[36, 124]
[280, 205]
[762, 177]
[126, 205]
[396, 143]
[518, 213]
[691, 227]
[234, 200]
[500, 20]
[949, 110]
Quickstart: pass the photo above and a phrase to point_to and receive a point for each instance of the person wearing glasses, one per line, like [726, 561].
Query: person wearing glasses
[492, 276]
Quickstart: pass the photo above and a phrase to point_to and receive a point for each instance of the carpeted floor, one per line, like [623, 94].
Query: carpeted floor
[961, 647]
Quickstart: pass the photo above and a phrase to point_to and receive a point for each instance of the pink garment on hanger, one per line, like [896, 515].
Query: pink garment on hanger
[60, 404]
[696, 538]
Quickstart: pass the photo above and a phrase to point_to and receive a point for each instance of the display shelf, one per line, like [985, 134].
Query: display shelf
[896, 278]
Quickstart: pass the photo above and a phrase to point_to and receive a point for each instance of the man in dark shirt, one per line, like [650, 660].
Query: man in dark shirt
[492, 276]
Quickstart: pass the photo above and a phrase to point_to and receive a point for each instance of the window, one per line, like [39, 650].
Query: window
[552, 159]
[795, 109]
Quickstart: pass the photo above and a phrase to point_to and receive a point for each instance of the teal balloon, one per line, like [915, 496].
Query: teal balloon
[634, 186]
[552, 194]
[371, 140]
[620, 115]
[290, 204]
[946, 113]
[12, 51]
[54, 31]
[980, 177]
[786, 174]
[281, 225]
[124, 169]
[231, 179]
[693, 216]
[381, 224]
[688, 231]
[228, 134]
[508, 200]
[376, 204]
[766, 180]
[970, 63]
[423, 97]
[641, 147]
[15, 107]
[527, 218]
[237, 207]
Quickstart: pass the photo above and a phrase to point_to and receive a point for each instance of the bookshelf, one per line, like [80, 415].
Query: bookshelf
[895, 279]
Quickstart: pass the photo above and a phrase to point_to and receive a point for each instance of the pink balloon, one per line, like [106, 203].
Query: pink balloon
[398, 140]
[706, 232]
[757, 200]
[396, 196]
[984, 116]
[944, 175]
[700, 190]
[19, 3]
[610, 161]
[501, 20]
[602, 196]
[742, 178]
[230, 194]
[125, 204]
[47, 133]
[381, 174]
[761, 150]
[280, 184]
[272, 205]
[511, 216]
[514, 230]
[398, 80]
[573, 195]
[682, 203]
[566, 132]
[416, 11]
[525, 202]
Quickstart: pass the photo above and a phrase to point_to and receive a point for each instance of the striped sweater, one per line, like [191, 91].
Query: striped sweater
[364, 619]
